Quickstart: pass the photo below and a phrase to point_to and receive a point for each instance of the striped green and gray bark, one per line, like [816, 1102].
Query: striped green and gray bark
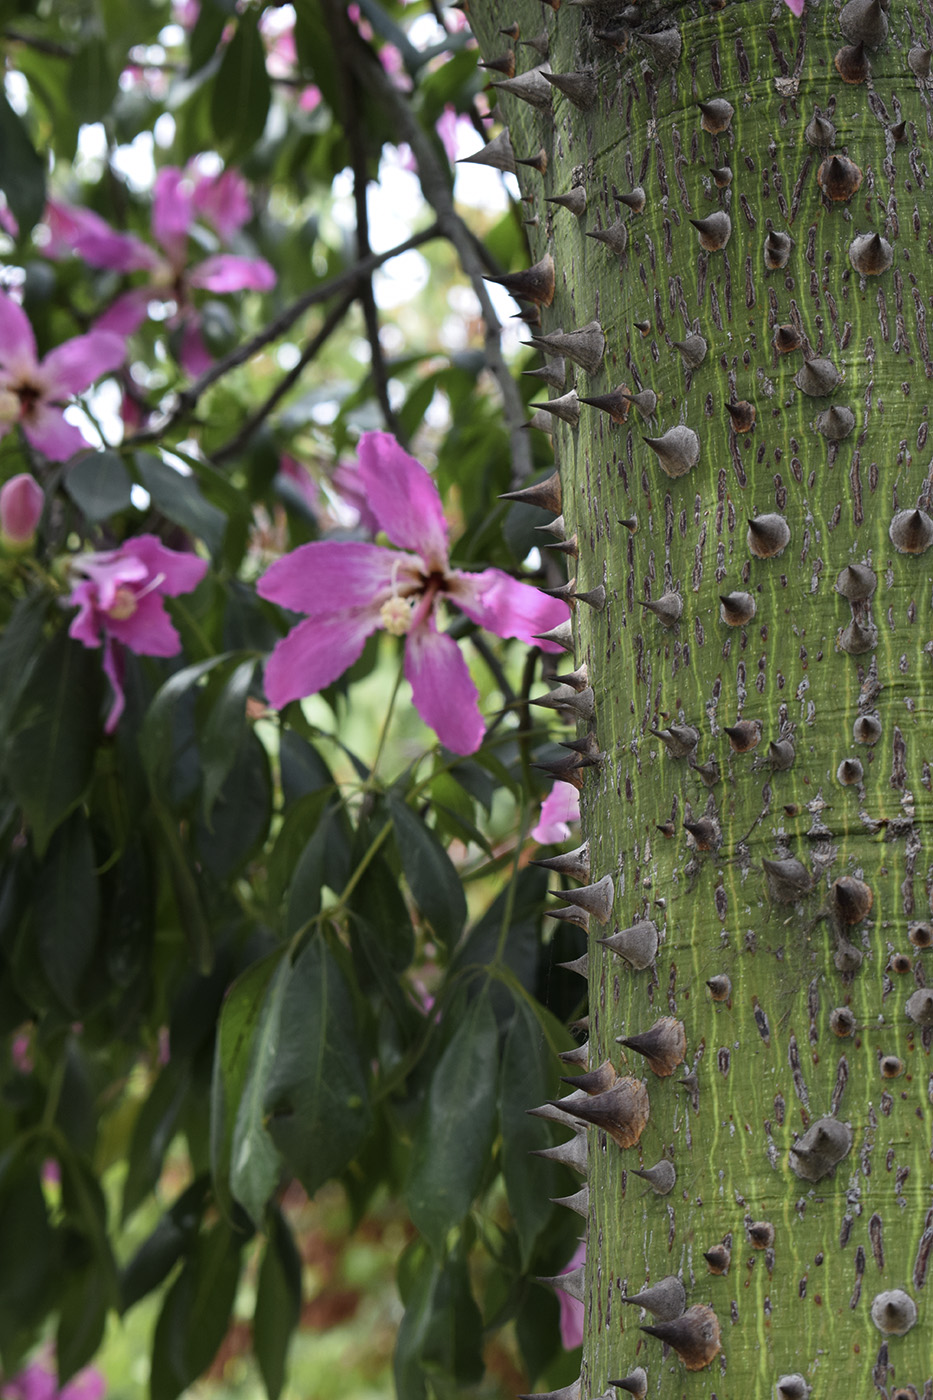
[764, 1062]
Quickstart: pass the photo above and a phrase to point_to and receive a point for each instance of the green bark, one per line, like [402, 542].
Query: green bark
[766, 1060]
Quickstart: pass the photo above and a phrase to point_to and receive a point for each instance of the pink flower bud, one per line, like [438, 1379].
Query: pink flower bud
[21, 502]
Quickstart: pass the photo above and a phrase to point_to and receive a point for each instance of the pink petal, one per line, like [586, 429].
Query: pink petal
[558, 810]
[8, 221]
[226, 272]
[571, 1310]
[85, 627]
[328, 577]
[89, 1384]
[100, 245]
[71, 367]
[172, 212]
[178, 570]
[120, 252]
[796, 6]
[17, 342]
[446, 128]
[403, 498]
[223, 200]
[113, 670]
[315, 653]
[47, 430]
[502, 605]
[127, 313]
[442, 689]
[21, 504]
[303, 482]
[194, 356]
[149, 632]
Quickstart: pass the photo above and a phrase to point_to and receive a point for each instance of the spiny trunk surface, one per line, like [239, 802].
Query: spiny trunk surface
[763, 1063]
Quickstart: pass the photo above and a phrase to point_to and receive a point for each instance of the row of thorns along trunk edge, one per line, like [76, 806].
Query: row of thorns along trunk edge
[619, 1105]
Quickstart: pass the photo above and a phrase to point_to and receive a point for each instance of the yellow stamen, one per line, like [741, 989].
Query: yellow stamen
[395, 615]
[123, 605]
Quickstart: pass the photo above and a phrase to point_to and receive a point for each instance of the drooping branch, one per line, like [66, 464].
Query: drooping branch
[349, 97]
[346, 281]
[235, 445]
[435, 186]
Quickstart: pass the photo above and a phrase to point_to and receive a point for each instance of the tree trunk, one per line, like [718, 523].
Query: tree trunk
[810, 284]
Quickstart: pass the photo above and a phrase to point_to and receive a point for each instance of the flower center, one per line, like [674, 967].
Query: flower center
[124, 604]
[395, 615]
[9, 406]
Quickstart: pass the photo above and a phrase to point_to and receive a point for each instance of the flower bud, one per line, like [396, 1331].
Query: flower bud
[21, 503]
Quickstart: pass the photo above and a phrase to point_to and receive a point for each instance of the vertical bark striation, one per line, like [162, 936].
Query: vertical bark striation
[749, 226]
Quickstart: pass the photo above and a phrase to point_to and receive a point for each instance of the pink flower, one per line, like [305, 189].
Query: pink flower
[571, 1311]
[180, 198]
[349, 589]
[32, 390]
[21, 1053]
[21, 503]
[447, 127]
[37, 1381]
[351, 508]
[558, 810]
[119, 601]
[796, 6]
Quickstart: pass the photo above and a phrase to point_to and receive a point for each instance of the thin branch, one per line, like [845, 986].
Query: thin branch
[435, 186]
[234, 445]
[346, 281]
[37, 42]
[335, 16]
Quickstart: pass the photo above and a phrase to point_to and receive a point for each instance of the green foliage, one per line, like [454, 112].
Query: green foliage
[239, 950]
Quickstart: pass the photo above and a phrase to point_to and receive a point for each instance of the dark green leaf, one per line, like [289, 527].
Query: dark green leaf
[527, 1079]
[313, 869]
[303, 768]
[432, 879]
[255, 1164]
[236, 1027]
[241, 97]
[67, 909]
[223, 733]
[454, 1138]
[99, 484]
[27, 1256]
[81, 1320]
[441, 1333]
[205, 36]
[155, 1126]
[520, 913]
[56, 728]
[195, 1314]
[278, 1304]
[91, 81]
[376, 899]
[156, 1256]
[179, 497]
[241, 813]
[20, 642]
[22, 170]
[316, 1096]
[157, 733]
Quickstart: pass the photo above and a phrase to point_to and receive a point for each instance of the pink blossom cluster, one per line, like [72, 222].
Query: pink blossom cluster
[38, 1381]
[181, 199]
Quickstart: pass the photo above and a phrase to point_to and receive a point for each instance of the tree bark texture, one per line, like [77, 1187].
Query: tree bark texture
[814, 295]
